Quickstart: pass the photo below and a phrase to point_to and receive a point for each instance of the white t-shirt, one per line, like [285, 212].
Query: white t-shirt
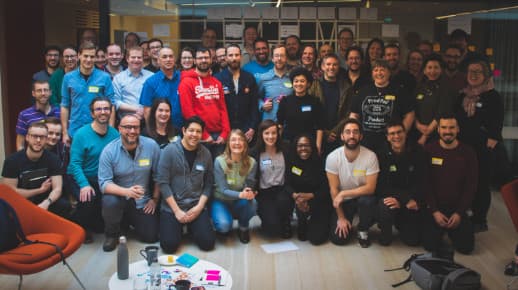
[352, 174]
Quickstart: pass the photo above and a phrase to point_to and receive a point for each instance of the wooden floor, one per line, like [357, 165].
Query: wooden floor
[311, 267]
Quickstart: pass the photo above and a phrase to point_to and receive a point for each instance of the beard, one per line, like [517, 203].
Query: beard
[352, 146]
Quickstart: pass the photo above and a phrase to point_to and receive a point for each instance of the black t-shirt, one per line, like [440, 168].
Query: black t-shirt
[190, 156]
[31, 174]
[300, 115]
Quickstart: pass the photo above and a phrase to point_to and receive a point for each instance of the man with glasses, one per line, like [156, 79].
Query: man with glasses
[163, 84]
[87, 146]
[201, 95]
[35, 173]
[126, 169]
[452, 74]
[52, 54]
[345, 40]
[261, 63]
[155, 45]
[36, 113]
[56, 80]
[209, 38]
[79, 88]
[274, 85]
[401, 200]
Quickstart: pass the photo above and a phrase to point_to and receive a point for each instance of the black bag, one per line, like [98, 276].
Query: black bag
[10, 228]
[434, 273]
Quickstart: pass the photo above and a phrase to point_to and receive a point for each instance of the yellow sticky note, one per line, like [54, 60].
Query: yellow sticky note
[472, 48]
[390, 97]
[295, 170]
[231, 181]
[489, 51]
[437, 161]
[359, 172]
[93, 89]
[392, 168]
[419, 96]
[144, 162]
[437, 47]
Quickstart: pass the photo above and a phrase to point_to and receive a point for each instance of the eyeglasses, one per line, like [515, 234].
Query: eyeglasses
[475, 72]
[36, 137]
[202, 57]
[52, 55]
[130, 127]
[303, 146]
[155, 47]
[40, 91]
[352, 132]
[187, 57]
[100, 109]
[70, 56]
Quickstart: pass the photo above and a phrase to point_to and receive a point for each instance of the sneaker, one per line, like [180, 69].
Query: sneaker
[480, 228]
[89, 238]
[363, 239]
[511, 269]
[243, 235]
[110, 243]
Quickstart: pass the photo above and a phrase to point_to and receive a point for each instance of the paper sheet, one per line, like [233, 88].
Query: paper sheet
[233, 30]
[390, 30]
[347, 13]
[326, 13]
[161, 30]
[287, 30]
[279, 247]
[289, 13]
[308, 12]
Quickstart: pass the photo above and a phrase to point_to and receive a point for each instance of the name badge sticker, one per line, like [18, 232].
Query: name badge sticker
[478, 105]
[231, 181]
[199, 167]
[143, 162]
[420, 96]
[390, 97]
[359, 172]
[287, 84]
[226, 91]
[392, 168]
[306, 108]
[295, 170]
[266, 162]
[93, 89]
[437, 161]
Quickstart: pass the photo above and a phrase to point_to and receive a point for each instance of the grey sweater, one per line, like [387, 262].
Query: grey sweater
[176, 179]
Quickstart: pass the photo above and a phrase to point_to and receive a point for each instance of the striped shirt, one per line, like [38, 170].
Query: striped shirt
[30, 115]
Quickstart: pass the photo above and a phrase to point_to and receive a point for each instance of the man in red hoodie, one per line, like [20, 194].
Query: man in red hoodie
[201, 95]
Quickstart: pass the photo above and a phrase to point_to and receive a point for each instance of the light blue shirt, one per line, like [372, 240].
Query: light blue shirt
[117, 166]
[127, 87]
[77, 94]
[273, 87]
[257, 70]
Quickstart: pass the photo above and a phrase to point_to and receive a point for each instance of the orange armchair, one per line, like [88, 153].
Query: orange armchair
[510, 195]
[38, 224]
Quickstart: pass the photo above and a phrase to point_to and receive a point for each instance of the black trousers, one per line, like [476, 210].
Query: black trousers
[315, 222]
[117, 209]
[274, 208]
[365, 206]
[482, 199]
[88, 213]
[171, 232]
[407, 222]
[462, 237]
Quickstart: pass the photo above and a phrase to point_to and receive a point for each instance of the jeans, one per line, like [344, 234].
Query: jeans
[224, 211]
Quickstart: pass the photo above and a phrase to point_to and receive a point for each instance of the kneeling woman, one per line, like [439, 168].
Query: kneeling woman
[307, 183]
[235, 176]
[274, 203]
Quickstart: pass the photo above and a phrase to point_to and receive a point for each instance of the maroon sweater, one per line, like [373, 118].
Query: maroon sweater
[450, 178]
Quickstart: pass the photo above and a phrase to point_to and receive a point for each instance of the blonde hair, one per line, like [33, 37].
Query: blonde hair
[245, 160]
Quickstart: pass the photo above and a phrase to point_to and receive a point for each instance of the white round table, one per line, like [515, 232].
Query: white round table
[196, 274]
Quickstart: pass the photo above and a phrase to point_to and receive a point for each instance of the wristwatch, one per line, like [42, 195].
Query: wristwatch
[50, 200]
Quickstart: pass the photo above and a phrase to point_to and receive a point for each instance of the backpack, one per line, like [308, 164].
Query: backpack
[10, 228]
[435, 273]
[11, 232]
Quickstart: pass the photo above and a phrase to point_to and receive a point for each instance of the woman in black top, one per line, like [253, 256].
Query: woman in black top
[159, 126]
[306, 182]
[480, 114]
[301, 113]
[374, 51]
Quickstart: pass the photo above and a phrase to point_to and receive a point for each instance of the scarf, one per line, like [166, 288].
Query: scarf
[472, 95]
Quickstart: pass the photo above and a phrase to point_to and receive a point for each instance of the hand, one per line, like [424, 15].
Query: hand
[44, 204]
[412, 205]
[303, 206]
[491, 143]
[249, 135]
[181, 216]
[220, 140]
[421, 128]
[454, 221]
[140, 112]
[331, 137]
[46, 185]
[135, 192]
[440, 219]
[66, 139]
[268, 105]
[247, 193]
[343, 226]
[209, 140]
[337, 200]
[86, 193]
[422, 140]
[319, 149]
[150, 207]
[391, 202]
[194, 212]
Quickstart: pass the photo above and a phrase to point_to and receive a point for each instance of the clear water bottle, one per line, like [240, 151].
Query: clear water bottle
[122, 259]
[155, 275]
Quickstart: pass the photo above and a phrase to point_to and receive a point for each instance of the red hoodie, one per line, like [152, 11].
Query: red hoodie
[203, 97]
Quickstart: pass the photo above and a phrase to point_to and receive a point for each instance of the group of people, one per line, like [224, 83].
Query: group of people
[216, 134]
